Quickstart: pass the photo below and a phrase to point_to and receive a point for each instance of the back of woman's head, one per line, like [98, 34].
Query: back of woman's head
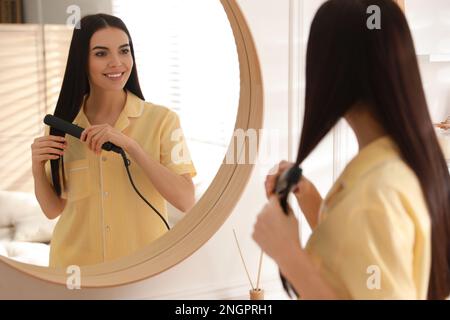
[349, 63]
[76, 81]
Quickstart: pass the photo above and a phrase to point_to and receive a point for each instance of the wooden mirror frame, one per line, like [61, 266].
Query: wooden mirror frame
[212, 209]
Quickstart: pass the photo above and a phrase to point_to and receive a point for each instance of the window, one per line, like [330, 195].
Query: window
[32, 63]
[187, 61]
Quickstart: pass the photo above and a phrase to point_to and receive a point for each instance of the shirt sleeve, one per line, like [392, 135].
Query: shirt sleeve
[375, 260]
[174, 153]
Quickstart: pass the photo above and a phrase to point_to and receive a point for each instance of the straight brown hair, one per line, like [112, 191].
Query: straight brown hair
[348, 63]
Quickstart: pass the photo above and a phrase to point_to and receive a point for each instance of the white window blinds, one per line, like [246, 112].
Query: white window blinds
[187, 60]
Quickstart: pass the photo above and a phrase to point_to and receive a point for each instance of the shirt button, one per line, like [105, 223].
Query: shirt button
[104, 158]
[106, 193]
[108, 228]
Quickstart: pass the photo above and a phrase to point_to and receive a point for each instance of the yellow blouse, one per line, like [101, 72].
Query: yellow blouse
[373, 240]
[104, 218]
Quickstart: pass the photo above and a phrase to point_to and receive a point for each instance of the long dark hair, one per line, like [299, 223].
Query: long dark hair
[76, 84]
[348, 63]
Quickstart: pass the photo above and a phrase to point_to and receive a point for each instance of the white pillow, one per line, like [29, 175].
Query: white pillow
[34, 229]
[22, 211]
[26, 252]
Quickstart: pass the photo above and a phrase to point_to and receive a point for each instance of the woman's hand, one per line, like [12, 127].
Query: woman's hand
[443, 125]
[308, 197]
[301, 189]
[48, 147]
[95, 136]
[275, 232]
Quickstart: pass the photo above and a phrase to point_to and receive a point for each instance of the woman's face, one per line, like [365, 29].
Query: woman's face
[110, 61]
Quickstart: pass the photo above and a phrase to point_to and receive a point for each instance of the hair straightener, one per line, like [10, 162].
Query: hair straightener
[286, 182]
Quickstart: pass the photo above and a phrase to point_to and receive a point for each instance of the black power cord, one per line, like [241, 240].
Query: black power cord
[127, 163]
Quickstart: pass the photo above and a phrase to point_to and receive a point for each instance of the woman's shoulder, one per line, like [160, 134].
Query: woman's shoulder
[393, 173]
[139, 107]
[158, 111]
[394, 188]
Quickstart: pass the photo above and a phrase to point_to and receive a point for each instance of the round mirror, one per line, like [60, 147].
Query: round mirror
[188, 62]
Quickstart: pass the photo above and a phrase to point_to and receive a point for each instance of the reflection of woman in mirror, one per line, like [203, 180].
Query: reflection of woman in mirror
[383, 230]
[100, 215]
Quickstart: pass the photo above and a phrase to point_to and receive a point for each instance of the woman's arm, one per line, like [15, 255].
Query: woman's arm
[309, 200]
[179, 190]
[50, 203]
[43, 149]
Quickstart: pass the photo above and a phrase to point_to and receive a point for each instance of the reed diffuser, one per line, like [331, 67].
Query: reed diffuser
[256, 293]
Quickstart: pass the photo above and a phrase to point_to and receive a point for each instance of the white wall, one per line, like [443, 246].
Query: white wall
[430, 25]
[214, 271]
[436, 81]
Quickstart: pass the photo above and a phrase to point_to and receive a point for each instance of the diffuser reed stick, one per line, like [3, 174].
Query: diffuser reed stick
[259, 269]
[255, 293]
[242, 258]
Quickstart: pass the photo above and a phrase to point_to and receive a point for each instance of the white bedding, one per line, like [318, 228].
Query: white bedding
[25, 232]
[27, 252]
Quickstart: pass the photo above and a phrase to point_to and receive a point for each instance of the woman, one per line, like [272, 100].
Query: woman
[101, 216]
[383, 230]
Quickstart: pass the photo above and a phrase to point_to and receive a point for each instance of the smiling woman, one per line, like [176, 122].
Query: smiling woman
[182, 75]
[104, 96]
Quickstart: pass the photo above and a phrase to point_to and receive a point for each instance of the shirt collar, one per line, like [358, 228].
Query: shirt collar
[369, 157]
[134, 107]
